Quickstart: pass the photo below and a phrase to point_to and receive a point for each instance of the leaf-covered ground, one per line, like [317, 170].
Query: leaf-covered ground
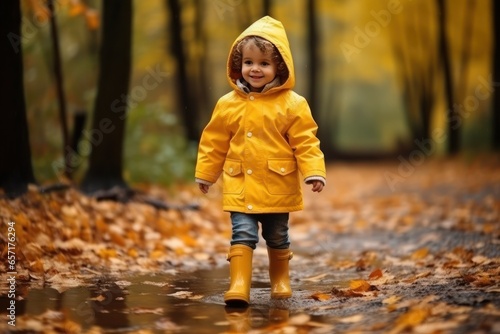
[386, 247]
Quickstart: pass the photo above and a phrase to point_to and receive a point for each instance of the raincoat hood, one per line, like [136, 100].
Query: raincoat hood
[273, 31]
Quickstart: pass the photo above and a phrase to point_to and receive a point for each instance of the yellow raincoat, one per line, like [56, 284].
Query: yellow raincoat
[260, 142]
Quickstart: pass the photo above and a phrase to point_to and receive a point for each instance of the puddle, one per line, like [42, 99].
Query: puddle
[180, 303]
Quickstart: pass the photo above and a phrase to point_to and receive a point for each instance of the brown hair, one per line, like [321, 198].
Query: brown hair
[264, 46]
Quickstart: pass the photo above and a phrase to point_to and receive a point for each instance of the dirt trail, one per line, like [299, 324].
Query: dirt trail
[385, 248]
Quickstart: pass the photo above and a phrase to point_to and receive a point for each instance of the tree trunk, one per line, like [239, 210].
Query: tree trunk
[313, 55]
[451, 112]
[186, 100]
[16, 170]
[56, 54]
[416, 53]
[266, 7]
[495, 108]
[108, 126]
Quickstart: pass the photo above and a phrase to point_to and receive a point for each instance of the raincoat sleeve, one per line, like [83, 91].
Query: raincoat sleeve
[213, 147]
[305, 144]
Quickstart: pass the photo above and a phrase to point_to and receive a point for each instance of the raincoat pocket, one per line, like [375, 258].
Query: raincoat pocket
[233, 179]
[282, 178]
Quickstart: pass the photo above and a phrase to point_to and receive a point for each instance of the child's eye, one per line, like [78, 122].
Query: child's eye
[247, 62]
[265, 64]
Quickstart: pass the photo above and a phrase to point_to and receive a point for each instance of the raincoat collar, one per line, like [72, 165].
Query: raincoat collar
[243, 85]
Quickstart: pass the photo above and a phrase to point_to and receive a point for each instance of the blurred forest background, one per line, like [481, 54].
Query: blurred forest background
[123, 88]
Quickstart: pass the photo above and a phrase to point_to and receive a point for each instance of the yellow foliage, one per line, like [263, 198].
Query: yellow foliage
[76, 8]
[92, 19]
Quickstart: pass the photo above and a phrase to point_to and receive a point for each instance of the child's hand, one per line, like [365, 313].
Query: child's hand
[203, 187]
[317, 186]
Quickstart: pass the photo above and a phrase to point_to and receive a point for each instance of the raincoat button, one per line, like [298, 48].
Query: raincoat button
[249, 134]
[283, 169]
[249, 171]
[231, 170]
[249, 206]
[251, 98]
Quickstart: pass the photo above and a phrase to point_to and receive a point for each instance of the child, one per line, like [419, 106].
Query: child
[260, 136]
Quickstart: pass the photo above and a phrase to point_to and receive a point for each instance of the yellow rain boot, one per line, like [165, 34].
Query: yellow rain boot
[278, 272]
[240, 268]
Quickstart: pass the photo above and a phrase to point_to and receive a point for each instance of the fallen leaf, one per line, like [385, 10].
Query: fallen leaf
[420, 254]
[414, 317]
[321, 296]
[316, 278]
[345, 293]
[99, 298]
[391, 300]
[107, 253]
[360, 265]
[376, 274]
[351, 319]
[144, 310]
[299, 319]
[361, 286]
[185, 295]
[479, 259]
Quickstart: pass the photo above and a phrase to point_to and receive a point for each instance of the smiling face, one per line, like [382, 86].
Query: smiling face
[258, 68]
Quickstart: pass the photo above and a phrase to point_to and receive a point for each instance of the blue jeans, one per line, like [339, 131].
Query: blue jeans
[274, 229]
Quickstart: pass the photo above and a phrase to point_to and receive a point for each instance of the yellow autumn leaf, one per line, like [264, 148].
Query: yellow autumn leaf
[133, 253]
[106, 253]
[420, 254]
[117, 238]
[189, 241]
[391, 300]
[156, 254]
[360, 285]
[391, 303]
[321, 296]
[37, 266]
[413, 317]
[101, 225]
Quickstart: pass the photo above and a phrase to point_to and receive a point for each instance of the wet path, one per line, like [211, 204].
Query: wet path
[177, 301]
